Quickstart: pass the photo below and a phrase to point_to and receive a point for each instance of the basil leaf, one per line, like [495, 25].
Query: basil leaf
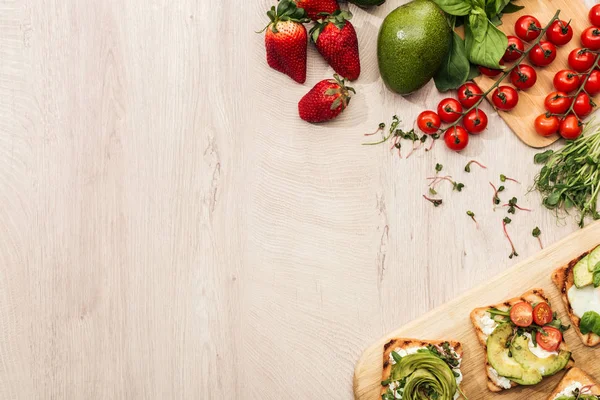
[512, 8]
[455, 7]
[494, 7]
[455, 69]
[590, 322]
[473, 71]
[490, 50]
[478, 23]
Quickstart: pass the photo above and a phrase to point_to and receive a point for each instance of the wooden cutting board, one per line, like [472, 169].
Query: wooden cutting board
[531, 102]
[451, 322]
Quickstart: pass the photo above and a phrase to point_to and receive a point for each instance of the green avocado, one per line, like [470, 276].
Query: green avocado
[500, 358]
[594, 258]
[581, 274]
[367, 3]
[546, 366]
[425, 372]
[413, 42]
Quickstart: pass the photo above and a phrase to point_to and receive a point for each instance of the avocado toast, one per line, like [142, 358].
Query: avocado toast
[581, 296]
[576, 385]
[521, 353]
[428, 369]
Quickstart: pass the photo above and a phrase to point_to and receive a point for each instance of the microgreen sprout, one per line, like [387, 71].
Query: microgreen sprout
[536, 234]
[472, 215]
[468, 166]
[512, 206]
[435, 202]
[505, 222]
[504, 178]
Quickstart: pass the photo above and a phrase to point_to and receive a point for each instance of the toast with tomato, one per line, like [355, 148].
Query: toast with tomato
[579, 285]
[423, 367]
[523, 341]
[576, 384]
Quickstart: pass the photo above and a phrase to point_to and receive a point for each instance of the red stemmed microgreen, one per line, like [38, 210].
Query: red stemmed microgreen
[536, 234]
[472, 215]
[504, 178]
[435, 202]
[513, 206]
[496, 198]
[505, 222]
[468, 166]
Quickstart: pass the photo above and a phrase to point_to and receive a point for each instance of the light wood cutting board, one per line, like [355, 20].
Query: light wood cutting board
[531, 102]
[451, 322]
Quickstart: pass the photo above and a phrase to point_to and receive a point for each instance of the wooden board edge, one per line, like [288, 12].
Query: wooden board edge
[361, 364]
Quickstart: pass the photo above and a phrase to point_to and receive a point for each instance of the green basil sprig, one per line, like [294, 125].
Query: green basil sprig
[590, 322]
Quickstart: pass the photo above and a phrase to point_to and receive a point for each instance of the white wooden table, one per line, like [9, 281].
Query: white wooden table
[170, 229]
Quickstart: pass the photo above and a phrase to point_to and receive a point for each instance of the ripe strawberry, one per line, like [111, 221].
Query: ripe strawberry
[325, 101]
[336, 40]
[286, 40]
[314, 7]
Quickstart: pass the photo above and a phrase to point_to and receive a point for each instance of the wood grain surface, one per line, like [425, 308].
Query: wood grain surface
[531, 102]
[169, 228]
[451, 322]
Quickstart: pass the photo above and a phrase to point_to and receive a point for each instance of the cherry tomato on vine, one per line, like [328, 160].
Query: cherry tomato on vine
[528, 28]
[542, 314]
[514, 49]
[592, 85]
[566, 80]
[550, 340]
[557, 102]
[560, 32]
[583, 105]
[570, 127]
[546, 125]
[490, 72]
[523, 77]
[521, 314]
[449, 110]
[475, 121]
[505, 98]
[542, 54]
[429, 122]
[456, 138]
[581, 60]
[594, 15]
[469, 94]
[590, 38]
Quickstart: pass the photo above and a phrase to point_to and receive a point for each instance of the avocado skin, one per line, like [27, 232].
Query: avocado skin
[367, 3]
[551, 365]
[412, 44]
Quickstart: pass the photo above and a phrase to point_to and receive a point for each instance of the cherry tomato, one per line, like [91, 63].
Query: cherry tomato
[523, 77]
[594, 15]
[546, 125]
[590, 38]
[560, 32]
[456, 138]
[490, 72]
[429, 122]
[551, 340]
[592, 85]
[521, 314]
[514, 50]
[469, 94]
[542, 314]
[557, 102]
[581, 60]
[583, 105]
[505, 98]
[566, 81]
[542, 54]
[528, 28]
[570, 127]
[475, 121]
[449, 110]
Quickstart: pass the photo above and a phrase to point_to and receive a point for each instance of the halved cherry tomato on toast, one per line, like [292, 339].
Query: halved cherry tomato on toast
[542, 314]
[550, 340]
[521, 314]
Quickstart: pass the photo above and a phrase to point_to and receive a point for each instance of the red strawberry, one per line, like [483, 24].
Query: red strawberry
[286, 40]
[336, 40]
[314, 7]
[325, 101]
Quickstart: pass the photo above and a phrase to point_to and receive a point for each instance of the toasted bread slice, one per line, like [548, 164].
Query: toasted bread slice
[575, 375]
[532, 296]
[563, 279]
[400, 343]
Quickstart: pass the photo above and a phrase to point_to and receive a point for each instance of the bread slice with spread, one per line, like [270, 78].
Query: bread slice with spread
[425, 368]
[523, 341]
[579, 285]
[576, 385]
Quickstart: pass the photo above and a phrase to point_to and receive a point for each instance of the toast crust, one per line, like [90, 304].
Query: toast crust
[531, 296]
[575, 375]
[404, 343]
[563, 279]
